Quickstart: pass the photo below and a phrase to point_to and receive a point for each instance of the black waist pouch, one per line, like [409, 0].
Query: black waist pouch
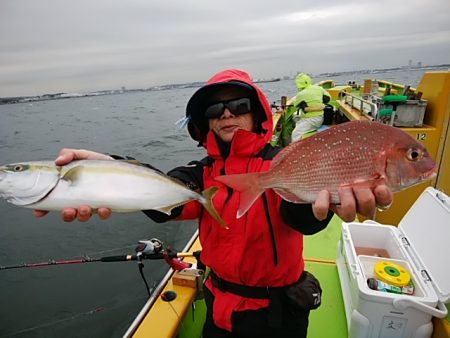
[328, 115]
[306, 294]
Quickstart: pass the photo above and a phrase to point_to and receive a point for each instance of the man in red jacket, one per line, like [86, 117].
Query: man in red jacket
[261, 254]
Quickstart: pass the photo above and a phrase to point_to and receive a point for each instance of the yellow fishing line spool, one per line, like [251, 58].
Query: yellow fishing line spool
[392, 273]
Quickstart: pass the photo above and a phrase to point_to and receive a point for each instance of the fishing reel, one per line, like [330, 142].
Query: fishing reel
[145, 249]
[148, 247]
[153, 249]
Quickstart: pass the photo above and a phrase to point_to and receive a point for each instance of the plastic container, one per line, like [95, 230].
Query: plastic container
[405, 114]
[420, 243]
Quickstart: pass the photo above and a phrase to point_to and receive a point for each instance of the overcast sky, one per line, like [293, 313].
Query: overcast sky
[50, 46]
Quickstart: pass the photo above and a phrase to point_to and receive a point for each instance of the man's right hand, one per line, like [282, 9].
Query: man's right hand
[84, 212]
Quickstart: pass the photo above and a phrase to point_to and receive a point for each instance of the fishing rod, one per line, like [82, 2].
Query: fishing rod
[146, 250]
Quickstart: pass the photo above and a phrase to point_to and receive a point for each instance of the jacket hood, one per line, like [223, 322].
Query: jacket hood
[198, 125]
[302, 81]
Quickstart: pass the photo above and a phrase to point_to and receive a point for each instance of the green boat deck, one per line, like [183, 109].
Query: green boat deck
[320, 254]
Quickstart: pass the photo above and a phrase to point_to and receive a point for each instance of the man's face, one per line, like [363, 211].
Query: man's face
[226, 125]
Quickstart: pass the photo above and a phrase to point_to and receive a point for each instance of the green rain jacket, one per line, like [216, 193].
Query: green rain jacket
[311, 94]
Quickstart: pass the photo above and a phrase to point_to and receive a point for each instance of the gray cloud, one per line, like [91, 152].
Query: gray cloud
[77, 46]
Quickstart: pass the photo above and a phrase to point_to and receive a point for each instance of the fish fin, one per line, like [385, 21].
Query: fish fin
[281, 156]
[287, 151]
[249, 187]
[168, 209]
[73, 174]
[136, 162]
[146, 165]
[289, 196]
[208, 195]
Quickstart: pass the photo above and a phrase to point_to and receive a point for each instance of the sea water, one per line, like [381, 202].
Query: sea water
[96, 299]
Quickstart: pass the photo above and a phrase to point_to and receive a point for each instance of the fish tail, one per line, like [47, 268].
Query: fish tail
[249, 186]
[208, 194]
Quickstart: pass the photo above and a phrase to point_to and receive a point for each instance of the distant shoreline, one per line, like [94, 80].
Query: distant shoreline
[385, 70]
[57, 96]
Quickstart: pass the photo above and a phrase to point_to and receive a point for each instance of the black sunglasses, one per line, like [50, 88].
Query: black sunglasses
[235, 106]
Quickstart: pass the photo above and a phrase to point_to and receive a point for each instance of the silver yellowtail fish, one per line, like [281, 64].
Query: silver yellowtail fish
[122, 186]
[352, 154]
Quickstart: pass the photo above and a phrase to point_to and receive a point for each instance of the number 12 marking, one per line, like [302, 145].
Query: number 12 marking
[421, 136]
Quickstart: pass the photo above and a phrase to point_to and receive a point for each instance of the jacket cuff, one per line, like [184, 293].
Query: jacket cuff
[301, 217]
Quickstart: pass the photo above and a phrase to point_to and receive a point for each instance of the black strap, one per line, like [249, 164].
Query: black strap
[258, 292]
[272, 233]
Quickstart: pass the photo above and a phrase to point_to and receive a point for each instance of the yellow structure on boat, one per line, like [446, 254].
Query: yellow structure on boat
[434, 134]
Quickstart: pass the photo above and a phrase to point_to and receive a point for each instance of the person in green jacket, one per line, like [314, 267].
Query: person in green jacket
[310, 102]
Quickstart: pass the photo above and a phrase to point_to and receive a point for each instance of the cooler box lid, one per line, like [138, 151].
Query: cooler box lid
[426, 226]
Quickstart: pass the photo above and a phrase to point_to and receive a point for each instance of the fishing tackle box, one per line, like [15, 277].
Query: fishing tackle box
[421, 245]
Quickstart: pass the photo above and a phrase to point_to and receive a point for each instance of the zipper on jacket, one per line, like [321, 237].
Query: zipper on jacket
[272, 234]
[229, 190]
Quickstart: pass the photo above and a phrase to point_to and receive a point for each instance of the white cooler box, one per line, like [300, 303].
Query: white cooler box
[421, 244]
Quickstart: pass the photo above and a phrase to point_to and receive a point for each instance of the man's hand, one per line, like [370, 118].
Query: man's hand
[353, 200]
[84, 212]
[67, 155]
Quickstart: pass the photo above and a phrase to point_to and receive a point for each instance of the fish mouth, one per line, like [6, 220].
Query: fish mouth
[429, 174]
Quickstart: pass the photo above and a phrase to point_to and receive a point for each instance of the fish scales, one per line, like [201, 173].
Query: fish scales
[308, 171]
[357, 153]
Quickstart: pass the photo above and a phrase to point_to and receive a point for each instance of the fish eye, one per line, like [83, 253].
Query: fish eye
[18, 167]
[414, 154]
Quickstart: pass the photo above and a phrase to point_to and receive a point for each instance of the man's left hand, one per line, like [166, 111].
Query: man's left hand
[363, 201]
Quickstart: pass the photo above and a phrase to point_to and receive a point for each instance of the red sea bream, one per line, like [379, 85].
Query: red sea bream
[357, 153]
